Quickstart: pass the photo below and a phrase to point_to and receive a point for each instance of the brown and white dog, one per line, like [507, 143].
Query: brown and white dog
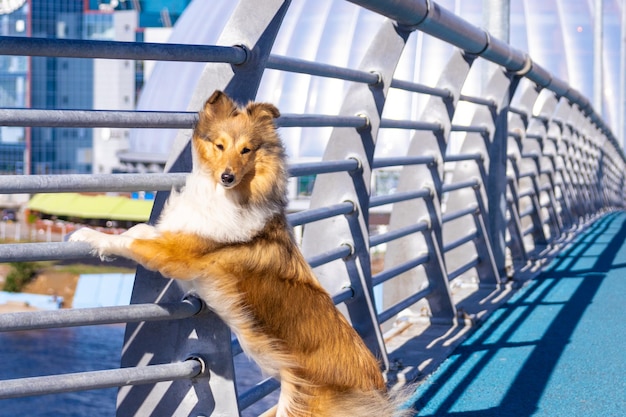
[226, 237]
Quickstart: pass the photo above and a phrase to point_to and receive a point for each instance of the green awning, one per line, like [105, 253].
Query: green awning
[92, 206]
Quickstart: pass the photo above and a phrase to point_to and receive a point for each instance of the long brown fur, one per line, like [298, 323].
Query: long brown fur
[257, 280]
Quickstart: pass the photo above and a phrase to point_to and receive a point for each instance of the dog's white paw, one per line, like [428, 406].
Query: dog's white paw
[141, 231]
[102, 244]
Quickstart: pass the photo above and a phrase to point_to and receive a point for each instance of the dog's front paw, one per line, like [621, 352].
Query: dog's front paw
[99, 242]
[142, 231]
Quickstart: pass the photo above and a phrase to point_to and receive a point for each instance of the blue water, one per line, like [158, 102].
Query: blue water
[60, 351]
[79, 349]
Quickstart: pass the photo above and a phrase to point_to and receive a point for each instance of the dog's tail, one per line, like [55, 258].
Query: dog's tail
[371, 404]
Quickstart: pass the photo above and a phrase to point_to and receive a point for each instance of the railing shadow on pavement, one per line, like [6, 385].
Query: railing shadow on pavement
[516, 358]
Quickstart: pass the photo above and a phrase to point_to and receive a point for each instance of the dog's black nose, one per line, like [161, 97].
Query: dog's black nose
[227, 178]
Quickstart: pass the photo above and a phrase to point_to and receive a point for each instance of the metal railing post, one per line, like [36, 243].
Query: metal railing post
[493, 147]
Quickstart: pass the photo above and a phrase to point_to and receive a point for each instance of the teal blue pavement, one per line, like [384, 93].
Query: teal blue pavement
[557, 348]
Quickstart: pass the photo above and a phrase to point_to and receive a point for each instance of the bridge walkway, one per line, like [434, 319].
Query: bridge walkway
[555, 349]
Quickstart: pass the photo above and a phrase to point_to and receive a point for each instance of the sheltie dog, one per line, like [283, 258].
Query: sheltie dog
[226, 237]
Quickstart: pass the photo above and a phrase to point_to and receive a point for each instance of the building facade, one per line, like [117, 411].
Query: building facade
[71, 83]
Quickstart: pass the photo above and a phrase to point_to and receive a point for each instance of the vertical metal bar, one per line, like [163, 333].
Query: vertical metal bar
[497, 180]
[207, 336]
[598, 41]
[524, 100]
[487, 269]
[516, 246]
[497, 17]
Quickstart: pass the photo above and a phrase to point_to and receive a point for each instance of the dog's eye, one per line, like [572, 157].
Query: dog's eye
[245, 151]
[219, 146]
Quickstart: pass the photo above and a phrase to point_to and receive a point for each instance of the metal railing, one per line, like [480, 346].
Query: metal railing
[521, 182]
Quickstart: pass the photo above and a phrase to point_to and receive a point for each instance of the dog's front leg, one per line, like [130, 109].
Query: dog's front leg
[107, 246]
[176, 256]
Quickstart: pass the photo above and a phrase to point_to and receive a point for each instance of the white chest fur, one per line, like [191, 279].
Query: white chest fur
[206, 208]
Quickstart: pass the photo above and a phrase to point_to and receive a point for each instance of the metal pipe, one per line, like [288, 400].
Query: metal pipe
[324, 167]
[23, 252]
[381, 200]
[100, 315]
[410, 124]
[284, 63]
[309, 216]
[77, 48]
[329, 256]
[420, 88]
[390, 273]
[403, 160]
[32, 184]
[97, 118]
[408, 302]
[260, 390]
[398, 233]
[463, 269]
[150, 119]
[82, 381]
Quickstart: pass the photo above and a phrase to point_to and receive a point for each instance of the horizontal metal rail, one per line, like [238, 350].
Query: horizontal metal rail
[483, 130]
[97, 118]
[402, 161]
[390, 273]
[463, 269]
[420, 88]
[25, 252]
[448, 217]
[82, 381]
[77, 48]
[478, 100]
[382, 200]
[402, 305]
[339, 252]
[151, 119]
[302, 66]
[410, 124]
[430, 18]
[398, 233]
[260, 390]
[35, 320]
[312, 120]
[325, 167]
[344, 295]
[313, 215]
[32, 184]
[461, 241]
[448, 188]
[461, 157]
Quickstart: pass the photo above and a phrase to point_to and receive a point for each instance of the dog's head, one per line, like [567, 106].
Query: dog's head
[239, 148]
[229, 141]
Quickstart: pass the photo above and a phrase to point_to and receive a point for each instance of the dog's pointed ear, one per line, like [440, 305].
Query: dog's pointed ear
[219, 105]
[262, 110]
